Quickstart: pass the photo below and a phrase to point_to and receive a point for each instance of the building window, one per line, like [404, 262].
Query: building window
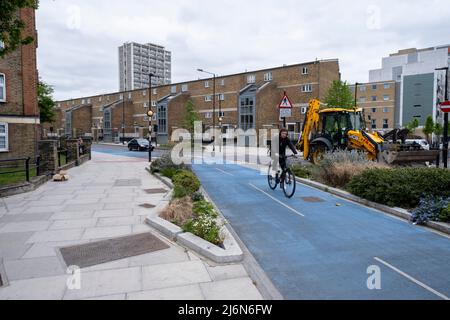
[385, 110]
[99, 99]
[206, 84]
[251, 79]
[221, 97]
[3, 136]
[268, 76]
[374, 87]
[385, 124]
[173, 89]
[208, 115]
[2, 88]
[121, 96]
[129, 96]
[184, 88]
[306, 88]
[417, 106]
[208, 98]
[222, 82]
[144, 93]
[303, 110]
[374, 98]
[374, 123]
[362, 99]
[221, 114]
[387, 85]
[362, 88]
[386, 97]
[305, 71]
[374, 110]
[153, 103]
[155, 91]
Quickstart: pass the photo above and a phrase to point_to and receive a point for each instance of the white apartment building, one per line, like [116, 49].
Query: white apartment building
[420, 86]
[137, 61]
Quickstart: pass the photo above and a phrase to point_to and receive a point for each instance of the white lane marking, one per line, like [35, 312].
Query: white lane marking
[224, 172]
[276, 200]
[423, 285]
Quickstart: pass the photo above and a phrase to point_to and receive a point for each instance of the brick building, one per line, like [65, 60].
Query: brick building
[246, 100]
[378, 100]
[19, 113]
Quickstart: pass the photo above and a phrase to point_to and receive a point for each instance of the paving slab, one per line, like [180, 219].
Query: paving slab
[33, 268]
[73, 224]
[56, 235]
[234, 289]
[25, 226]
[106, 232]
[219, 273]
[118, 221]
[113, 213]
[108, 282]
[191, 292]
[72, 215]
[51, 288]
[174, 274]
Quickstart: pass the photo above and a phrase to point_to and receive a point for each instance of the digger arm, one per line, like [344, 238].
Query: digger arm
[311, 122]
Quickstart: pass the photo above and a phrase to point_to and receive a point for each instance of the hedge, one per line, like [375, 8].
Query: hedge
[400, 187]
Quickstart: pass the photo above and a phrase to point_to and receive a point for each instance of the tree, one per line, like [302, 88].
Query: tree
[413, 125]
[11, 26]
[340, 95]
[46, 103]
[192, 116]
[429, 127]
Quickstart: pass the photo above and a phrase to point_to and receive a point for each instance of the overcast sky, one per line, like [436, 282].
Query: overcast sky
[78, 39]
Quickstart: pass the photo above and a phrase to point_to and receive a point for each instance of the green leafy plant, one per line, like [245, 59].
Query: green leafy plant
[401, 187]
[301, 171]
[185, 183]
[340, 95]
[46, 103]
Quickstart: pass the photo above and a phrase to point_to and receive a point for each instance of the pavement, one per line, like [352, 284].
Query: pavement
[90, 207]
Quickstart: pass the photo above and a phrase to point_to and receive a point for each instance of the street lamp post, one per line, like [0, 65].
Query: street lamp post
[445, 147]
[214, 105]
[220, 125]
[150, 117]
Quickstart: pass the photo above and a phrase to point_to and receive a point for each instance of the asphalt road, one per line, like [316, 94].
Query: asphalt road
[123, 151]
[328, 249]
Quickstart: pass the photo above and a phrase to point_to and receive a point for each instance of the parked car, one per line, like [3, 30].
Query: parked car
[139, 145]
[422, 142]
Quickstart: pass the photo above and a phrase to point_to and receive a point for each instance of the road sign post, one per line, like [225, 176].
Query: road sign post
[285, 108]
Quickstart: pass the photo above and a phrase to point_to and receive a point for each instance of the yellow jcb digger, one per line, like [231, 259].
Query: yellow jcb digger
[332, 128]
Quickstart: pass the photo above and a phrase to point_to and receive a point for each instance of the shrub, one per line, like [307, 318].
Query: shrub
[444, 216]
[204, 224]
[402, 187]
[338, 168]
[165, 163]
[431, 209]
[169, 172]
[185, 182]
[301, 171]
[179, 211]
[197, 196]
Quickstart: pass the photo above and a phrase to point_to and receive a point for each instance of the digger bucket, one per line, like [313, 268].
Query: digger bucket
[405, 157]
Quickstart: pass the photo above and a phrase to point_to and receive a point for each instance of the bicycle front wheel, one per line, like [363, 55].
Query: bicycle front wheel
[289, 184]
[272, 178]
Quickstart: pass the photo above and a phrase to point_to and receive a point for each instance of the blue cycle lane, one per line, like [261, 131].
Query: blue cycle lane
[328, 249]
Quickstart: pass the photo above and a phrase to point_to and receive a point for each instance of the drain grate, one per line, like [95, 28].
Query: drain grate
[155, 191]
[312, 199]
[128, 183]
[95, 253]
[147, 206]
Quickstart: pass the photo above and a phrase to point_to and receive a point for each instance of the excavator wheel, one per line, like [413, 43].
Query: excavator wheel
[318, 153]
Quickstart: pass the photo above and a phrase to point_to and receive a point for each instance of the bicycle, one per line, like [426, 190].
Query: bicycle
[286, 179]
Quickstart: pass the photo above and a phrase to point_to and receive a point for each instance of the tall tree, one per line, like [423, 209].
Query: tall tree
[46, 103]
[429, 127]
[11, 26]
[340, 95]
[191, 117]
[413, 125]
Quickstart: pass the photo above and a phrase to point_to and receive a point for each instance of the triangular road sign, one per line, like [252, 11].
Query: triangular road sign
[285, 103]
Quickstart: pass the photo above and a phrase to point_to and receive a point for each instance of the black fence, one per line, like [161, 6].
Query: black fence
[11, 167]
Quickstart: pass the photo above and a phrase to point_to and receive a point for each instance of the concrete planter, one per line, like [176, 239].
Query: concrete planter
[230, 253]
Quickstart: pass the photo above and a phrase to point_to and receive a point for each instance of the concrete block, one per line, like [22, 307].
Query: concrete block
[169, 229]
[234, 289]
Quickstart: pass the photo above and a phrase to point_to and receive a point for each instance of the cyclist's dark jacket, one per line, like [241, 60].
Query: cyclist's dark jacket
[284, 143]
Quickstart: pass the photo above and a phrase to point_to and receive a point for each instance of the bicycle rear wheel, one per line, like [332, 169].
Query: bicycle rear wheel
[272, 178]
[289, 184]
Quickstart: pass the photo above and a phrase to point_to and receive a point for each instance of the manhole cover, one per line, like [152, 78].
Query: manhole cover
[155, 191]
[127, 183]
[95, 253]
[147, 206]
[312, 199]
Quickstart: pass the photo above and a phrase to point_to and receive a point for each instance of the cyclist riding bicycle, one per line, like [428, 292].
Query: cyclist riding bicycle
[284, 143]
